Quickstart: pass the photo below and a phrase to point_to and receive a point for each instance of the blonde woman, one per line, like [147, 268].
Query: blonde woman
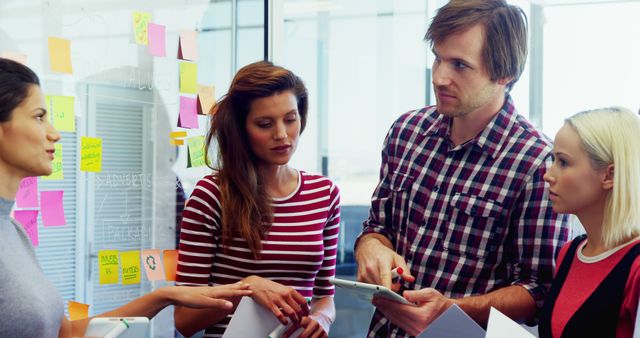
[596, 176]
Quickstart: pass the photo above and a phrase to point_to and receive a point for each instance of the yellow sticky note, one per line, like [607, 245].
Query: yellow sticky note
[196, 151]
[130, 267]
[56, 164]
[176, 142]
[91, 154]
[60, 55]
[108, 263]
[140, 22]
[206, 99]
[77, 310]
[63, 113]
[177, 134]
[188, 78]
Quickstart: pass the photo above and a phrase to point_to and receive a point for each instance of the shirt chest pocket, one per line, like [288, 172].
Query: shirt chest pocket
[472, 226]
[398, 205]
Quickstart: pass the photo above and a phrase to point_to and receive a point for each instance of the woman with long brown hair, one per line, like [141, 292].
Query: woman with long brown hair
[256, 219]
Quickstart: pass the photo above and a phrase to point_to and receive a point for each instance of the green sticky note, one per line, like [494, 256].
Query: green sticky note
[63, 113]
[188, 78]
[196, 151]
[91, 154]
[56, 173]
[108, 263]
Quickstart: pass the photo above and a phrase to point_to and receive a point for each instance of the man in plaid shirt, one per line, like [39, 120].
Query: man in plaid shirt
[461, 205]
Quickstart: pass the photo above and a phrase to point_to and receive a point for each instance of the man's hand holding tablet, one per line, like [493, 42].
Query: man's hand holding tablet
[368, 291]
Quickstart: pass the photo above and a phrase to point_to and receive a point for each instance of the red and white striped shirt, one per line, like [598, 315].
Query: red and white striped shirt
[299, 250]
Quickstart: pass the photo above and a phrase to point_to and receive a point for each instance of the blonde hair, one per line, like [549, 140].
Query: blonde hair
[607, 136]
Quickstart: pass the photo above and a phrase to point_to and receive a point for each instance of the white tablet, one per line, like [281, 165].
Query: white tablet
[136, 327]
[368, 291]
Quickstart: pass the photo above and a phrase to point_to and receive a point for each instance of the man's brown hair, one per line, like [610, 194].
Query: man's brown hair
[505, 44]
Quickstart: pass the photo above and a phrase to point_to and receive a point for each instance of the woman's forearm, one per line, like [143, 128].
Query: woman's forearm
[323, 310]
[146, 306]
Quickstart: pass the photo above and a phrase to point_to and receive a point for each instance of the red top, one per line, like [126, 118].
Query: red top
[299, 250]
[585, 275]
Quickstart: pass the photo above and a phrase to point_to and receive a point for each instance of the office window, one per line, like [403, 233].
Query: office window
[130, 99]
[591, 55]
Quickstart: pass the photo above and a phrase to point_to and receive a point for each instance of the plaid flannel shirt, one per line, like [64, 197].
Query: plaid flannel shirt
[471, 218]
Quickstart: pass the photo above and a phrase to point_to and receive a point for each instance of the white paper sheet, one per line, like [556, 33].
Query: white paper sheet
[501, 326]
[453, 323]
[251, 320]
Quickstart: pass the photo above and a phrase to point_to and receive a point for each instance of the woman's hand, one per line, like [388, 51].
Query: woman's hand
[282, 300]
[207, 296]
[311, 329]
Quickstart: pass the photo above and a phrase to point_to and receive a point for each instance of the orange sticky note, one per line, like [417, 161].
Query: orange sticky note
[78, 310]
[151, 261]
[170, 259]
[206, 99]
[60, 55]
[176, 142]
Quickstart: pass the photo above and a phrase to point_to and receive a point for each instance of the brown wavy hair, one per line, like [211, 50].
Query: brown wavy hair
[246, 207]
[505, 44]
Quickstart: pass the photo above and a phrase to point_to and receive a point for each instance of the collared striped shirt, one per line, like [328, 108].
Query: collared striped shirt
[471, 218]
[299, 250]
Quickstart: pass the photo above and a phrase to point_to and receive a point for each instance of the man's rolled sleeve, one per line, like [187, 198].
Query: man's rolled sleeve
[539, 235]
[377, 222]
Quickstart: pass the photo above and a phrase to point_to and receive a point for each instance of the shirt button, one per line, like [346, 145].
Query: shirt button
[474, 209]
[409, 257]
[436, 188]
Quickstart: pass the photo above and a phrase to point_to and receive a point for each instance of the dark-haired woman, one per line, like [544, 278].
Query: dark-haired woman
[256, 219]
[31, 305]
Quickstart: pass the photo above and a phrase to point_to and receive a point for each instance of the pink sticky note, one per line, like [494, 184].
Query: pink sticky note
[156, 34]
[152, 264]
[187, 46]
[188, 112]
[29, 220]
[27, 196]
[52, 208]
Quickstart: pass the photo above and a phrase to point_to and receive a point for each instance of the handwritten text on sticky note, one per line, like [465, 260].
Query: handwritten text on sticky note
[29, 220]
[108, 263]
[130, 267]
[27, 195]
[140, 21]
[91, 154]
[56, 165]
[196, 151]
